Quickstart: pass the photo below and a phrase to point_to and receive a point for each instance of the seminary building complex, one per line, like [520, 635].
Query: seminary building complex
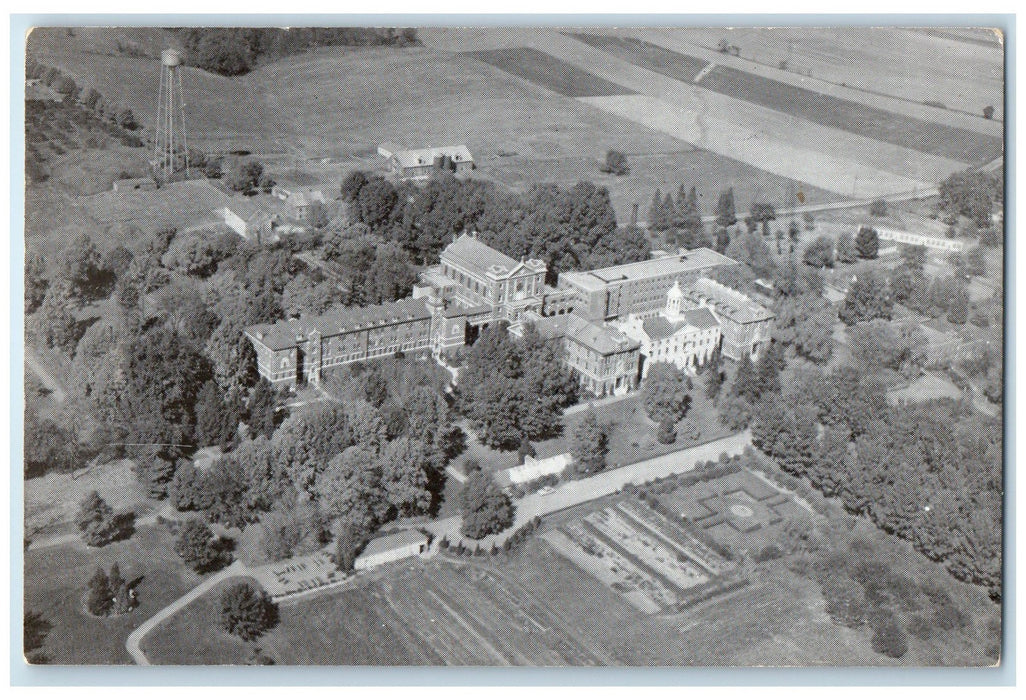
[610, 321]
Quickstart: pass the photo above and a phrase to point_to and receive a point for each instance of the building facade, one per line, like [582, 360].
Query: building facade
[605, 360]
[933, 242]
[639, 287]
[676, 334]
[299, 350]
[745, 326]
[421, 163]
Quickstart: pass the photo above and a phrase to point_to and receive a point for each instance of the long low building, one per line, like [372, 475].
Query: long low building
[933, 242]
[297, 350]
[382, 550]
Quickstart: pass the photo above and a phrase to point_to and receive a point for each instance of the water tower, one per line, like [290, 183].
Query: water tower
[170, 146]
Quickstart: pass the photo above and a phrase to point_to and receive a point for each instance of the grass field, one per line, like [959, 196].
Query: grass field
[865, 120]
[924, 65]
[550, 73]
[55, 585]
[421, 613]
[645, 54]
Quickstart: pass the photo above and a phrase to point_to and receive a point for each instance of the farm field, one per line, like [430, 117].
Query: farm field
[551, 73]
[924, 65]
[424, 613]
[56, 579]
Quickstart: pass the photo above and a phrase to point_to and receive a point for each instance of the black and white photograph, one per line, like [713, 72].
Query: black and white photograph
[512, 345]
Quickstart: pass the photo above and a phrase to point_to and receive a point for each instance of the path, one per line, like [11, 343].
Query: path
[235, 569]
[581, 407]
[583, 490]
[48, 380]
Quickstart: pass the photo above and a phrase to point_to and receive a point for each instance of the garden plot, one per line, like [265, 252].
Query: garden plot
[675, 536]
[676, 569]
[602, 562]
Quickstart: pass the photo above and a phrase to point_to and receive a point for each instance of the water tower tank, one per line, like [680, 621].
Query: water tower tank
[170, 57]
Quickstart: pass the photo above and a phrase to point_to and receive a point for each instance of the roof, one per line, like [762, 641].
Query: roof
[388, 543]
[534, 468]
[601, 339]
[473, 255]
[246, 209]
[701, 318]
[302, 198]
[426, 156]
[687, 261]
[729, 302]
[290, 333]
[659, 327]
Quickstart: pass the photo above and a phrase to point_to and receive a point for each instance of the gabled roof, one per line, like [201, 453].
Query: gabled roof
[391, 542]
[426, 156]
[601, 339]
[342, 319]
[660, 327]
[729, 302]
[473, 255]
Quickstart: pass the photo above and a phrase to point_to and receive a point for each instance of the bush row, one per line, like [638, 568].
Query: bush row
[513, 543]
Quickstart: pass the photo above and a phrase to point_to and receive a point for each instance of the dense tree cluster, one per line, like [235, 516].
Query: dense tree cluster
[590, 445]
[681, 221]
[513, 388]
[235, 51]
[109, 593]
[570, 229]
[928, 472]
[99, 524]
[971, 193]
[869, 296]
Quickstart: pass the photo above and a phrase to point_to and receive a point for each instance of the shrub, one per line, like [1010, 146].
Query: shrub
[878, 208]
[99, 525]
[988, 112]
[198, 548]
[667, 435]
[247, 612]
[889, 638]
[615, 163]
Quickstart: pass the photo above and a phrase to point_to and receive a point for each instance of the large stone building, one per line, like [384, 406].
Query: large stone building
[604, 358]
[298, 350]
[473, 275]
[745, 325]
[685, 337]
[639, 287]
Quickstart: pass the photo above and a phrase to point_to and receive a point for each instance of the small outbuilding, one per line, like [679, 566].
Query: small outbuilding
[401, 545]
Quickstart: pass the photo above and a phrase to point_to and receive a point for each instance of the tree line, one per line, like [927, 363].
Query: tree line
[570, 229]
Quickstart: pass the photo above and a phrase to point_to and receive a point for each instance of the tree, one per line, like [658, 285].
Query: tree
[714, 383]
[247, 612]
[352, 184]
[48, 446]
[868, 297]
[376, 201]
[971, 193]
[226, 494]
[99, 524]
[590, 445]
[847, 251]
[215, 424]
[35, 628]
[976, 262]
[246, 176]
[263, 414]
[913, 258]
[664, 394]
[889, 638]
[725, 212]
[988, 112]
[819, 252]
[867, 243]
[349, 540]
[53, 324]
[667, 434]
[293, 530]
[198, 548]
[350, 488]
[404, 476]
[616, 163]
[485, 508]
[309, 439]
[878, 208]
[958, 304]
[99, 600]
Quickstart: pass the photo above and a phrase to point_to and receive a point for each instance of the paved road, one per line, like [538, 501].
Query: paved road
[235, 569]
[583, 490]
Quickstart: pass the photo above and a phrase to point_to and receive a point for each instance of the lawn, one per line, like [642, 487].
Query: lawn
[550, 72]
[55, 585]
